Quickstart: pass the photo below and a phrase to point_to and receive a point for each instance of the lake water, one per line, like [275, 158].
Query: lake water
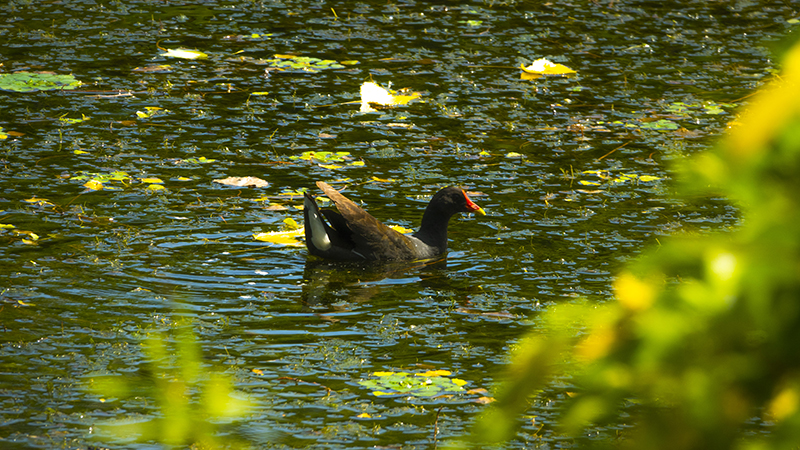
[574, 173]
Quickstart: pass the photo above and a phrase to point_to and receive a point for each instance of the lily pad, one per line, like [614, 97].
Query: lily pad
[305, 63]
[36, 81]
[426, 384]
[323, 157]
[661, 125]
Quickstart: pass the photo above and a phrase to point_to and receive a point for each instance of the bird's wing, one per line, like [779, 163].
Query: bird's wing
[370, 235]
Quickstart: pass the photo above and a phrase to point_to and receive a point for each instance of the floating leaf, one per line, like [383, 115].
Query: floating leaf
[661, 125]
[428, 384]
[291, 223]
[36, 81]
[38, 201]
[374, 93]
[242, 181]
[183, 53]
[151, 180]
[93, 185]
[3, 135]
[6, 225]
[31, 235]
[544, 66]
[150, 111]
[72, 121]
[155, 187]
[647, 178]
[200, 160]
[304, 63]
[323, 157]
[287, 238]
[154, 69]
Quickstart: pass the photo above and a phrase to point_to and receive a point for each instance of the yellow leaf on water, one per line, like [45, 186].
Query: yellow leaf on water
[155, 187]
[183, 53]
[647, 178]
[291, 223]
[330, 166]
[38, 201]
[152, 180]
[434, 373]
[404, 99]
[543, 66]
[287, 238]
[383, 180]
[374, 93]
[80, 152]
[93, 185]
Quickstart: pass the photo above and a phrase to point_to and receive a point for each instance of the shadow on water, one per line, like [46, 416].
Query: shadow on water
[328, 283]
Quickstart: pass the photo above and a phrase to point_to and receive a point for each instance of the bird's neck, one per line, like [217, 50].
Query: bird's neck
[433, 229]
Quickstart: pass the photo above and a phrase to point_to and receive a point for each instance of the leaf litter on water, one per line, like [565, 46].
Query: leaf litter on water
[373, 93]
[287, 237]
[427, 384]
[36, 81]
[542, 67]
[242, 181]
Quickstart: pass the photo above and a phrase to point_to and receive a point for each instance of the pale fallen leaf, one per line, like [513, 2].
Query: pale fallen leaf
[546, 67]
[373, 93]
[183, 53]
[243, 181]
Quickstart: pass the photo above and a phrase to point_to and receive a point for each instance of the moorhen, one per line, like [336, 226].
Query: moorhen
[352, 234]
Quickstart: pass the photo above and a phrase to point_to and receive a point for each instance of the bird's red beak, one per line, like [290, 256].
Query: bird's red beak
[472, 206]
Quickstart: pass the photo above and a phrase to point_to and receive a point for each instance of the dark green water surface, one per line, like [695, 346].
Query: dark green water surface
[109, 267]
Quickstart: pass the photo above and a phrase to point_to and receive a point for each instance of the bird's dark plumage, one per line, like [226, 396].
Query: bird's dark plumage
[352, 234]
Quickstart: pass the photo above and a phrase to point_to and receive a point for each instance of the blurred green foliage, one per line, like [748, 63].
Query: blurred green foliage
[705, 334]
[191, 401]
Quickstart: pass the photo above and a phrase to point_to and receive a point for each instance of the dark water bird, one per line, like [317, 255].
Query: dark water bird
[352, 234]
